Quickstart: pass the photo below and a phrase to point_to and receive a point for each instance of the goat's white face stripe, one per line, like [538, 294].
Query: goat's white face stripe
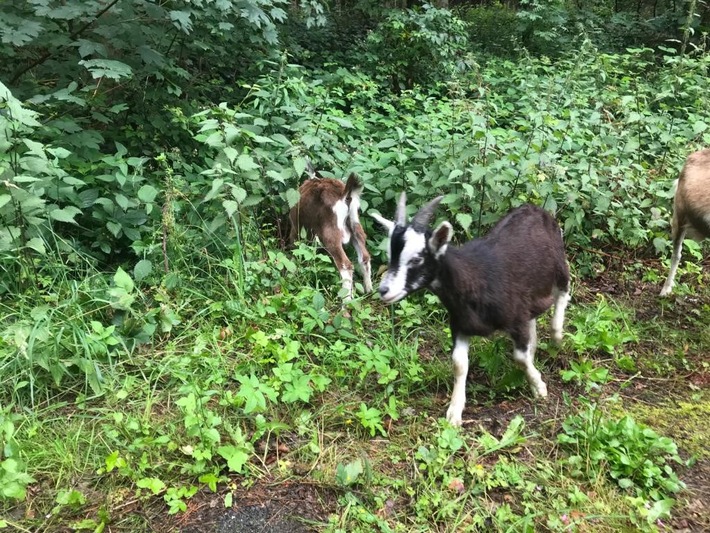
[396, 278]
[341, 214]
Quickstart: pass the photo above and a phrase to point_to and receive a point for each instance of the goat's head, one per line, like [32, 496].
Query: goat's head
[414, 250]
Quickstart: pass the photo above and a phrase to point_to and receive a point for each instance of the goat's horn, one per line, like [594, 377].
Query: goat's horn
[401, 216]
[421, 219]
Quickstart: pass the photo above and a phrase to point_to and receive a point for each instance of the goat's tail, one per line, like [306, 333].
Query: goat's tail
[352, 194]
[312, 174]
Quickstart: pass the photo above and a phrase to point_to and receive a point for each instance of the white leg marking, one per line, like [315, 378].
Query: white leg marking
[341, 213]
[367, 275]
[526, 360]
[347, 276]
[675, 260]
[458, 398]
[364, 265]
[558, 318]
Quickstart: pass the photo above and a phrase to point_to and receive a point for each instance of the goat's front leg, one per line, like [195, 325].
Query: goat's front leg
[458, 398]
[524, 356]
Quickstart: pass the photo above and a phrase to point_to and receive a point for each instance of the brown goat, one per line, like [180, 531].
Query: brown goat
[329, 209]
[691, 208]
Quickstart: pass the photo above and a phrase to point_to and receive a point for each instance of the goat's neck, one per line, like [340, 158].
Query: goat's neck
[456, 274]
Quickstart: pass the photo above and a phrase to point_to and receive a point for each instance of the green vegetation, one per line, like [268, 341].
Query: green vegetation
[159, 345]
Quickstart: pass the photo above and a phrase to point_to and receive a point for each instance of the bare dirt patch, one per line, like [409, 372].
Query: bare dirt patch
[286, 507]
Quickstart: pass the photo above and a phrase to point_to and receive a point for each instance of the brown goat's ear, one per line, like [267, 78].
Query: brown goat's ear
[387, 224]
[439, 240]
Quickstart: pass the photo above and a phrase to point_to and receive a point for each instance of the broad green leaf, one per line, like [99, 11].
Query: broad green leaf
[122, 201]
[151, 483]
[345, 123]
[142, 269]
[455, 173]
[346, 475]
[108, 68]
[387, 143]
[181, 20]
[147, 193]
[37, 245]
[231, 153]
[699, 127]
[239, 194]
[279, 177]
[661, 509]
[231, 207]
[292, 197]
[299, 165]
[65, 214]
[236, 457]
[216, 186]
[464, 220]
[114, 228]
[87, 48]
[123, 280]
[246, 162]
[61, 153]
[21, 34]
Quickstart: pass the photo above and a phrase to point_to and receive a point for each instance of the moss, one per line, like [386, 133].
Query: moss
[685, 421]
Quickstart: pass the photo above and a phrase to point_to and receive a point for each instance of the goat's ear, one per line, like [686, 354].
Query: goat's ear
[440, 238]
[387, 224]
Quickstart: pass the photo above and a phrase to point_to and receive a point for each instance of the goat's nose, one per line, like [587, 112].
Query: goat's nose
[383, 290]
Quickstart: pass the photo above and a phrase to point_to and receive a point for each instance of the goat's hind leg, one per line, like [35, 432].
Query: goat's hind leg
[562, 298]
[675, 260]
[524, 356]
[363, 256]
[458, 398]
[331, 241]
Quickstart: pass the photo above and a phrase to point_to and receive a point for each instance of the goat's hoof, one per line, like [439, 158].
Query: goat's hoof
[540, 392]
[665, 292]
[455, 419]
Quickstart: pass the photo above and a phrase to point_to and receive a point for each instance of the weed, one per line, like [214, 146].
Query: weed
[634, 455]
[584, 372]
[603, 328]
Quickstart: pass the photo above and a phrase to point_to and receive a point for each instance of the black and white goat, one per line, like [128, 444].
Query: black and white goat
[329, 209]
[500, 282]
[691, 208]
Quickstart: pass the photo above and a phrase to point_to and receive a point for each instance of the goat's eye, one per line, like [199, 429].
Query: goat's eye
[417, 261]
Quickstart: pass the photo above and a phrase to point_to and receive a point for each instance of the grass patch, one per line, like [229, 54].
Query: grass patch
[287, 388]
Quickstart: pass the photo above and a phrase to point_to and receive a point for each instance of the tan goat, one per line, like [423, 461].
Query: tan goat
[691, 208]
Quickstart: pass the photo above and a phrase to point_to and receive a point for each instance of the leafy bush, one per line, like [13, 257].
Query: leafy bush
[417, 47]
[604, 327]
[492, 29]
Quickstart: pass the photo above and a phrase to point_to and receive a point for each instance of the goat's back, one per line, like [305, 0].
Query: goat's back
[315, 206]
[523, 254]
[691, 203]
